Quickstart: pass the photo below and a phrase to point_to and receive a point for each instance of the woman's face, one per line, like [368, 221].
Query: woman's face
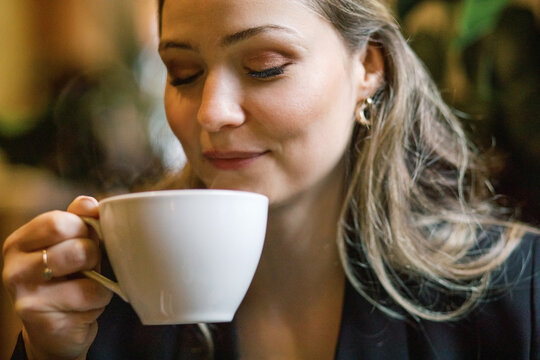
[260, 93]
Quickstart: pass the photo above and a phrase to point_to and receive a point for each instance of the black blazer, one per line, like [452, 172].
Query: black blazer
[506, 327]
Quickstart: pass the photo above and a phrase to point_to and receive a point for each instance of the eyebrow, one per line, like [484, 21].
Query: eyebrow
[228, 40]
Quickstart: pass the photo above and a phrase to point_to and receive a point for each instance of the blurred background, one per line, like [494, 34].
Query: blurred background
[81, 109]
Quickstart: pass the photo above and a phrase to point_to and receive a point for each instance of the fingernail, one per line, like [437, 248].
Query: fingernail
[87, 201]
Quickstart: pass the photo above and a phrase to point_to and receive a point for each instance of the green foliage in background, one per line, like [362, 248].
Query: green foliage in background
[478, 18]
[485, 56]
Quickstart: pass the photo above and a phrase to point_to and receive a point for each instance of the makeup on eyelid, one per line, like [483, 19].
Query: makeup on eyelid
[265, 60]
[264, 121]
[181, 68]
[264, 65]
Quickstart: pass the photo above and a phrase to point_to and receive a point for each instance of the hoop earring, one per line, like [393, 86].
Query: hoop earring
[364, 112]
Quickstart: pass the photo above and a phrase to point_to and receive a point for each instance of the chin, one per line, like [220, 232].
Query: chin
[277, 193]
[236, 185]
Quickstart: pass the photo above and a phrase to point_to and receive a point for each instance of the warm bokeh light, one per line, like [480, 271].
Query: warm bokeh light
[81, 108]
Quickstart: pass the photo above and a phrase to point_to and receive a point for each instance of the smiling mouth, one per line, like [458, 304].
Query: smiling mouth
[232, 160]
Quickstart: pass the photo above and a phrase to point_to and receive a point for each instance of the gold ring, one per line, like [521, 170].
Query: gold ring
[47, 271]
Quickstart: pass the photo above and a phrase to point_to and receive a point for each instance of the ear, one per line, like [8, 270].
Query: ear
[369, 70]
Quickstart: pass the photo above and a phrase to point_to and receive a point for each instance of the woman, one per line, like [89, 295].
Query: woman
[321, 106]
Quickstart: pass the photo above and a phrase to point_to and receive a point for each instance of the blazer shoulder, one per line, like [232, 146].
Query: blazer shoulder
[524, 260]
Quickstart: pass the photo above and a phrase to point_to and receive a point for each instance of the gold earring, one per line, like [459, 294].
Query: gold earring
[364, 112]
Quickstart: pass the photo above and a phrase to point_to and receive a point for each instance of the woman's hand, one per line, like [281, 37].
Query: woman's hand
[59, 315]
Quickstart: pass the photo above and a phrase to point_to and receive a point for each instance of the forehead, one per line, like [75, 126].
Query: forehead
[200, 17]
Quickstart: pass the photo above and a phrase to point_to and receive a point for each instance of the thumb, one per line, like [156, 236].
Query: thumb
[84, 206]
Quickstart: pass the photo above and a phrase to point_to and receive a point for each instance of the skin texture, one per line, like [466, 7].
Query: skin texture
[59, 316]
[284, 136]
[269, 110]
[288, 119]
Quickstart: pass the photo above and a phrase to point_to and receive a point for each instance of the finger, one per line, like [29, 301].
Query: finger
[71, 296]
[65, 258]
[20, 268]
[84, 206]
[23, 270]
[64, 336]
[46, 230]
[78, 295]
[72, 256]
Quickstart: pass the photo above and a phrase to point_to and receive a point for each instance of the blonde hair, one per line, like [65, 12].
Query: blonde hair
[416, 206]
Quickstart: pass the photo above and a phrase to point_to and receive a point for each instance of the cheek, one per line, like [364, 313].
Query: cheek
[180, 111]
[313, 111]
[310, 123]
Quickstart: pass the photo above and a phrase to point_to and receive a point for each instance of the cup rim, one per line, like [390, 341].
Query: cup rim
[181, 192]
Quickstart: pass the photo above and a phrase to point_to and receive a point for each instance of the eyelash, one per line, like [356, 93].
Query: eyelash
[184, 81]
[264, 74]
[268, 73]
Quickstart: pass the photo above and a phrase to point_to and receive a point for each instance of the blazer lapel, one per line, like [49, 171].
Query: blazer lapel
[367, 334]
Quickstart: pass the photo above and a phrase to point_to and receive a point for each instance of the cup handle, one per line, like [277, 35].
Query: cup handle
[109, 284]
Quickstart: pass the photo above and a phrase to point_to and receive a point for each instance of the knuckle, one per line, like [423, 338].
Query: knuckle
[79, 255]
[97, 293]
[9, 281]
[10, 277]
[99, 296]
[79, 338]
[24, 306]
[54, 223]
[68, 327]
[81, 335]
[13, 276]
[7, 245]
[73, 328]
[105, 297]
[54, 328]
[87, 294]
[10, 243]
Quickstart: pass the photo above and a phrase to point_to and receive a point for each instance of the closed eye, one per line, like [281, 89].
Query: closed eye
[178, 81]
[268, 73]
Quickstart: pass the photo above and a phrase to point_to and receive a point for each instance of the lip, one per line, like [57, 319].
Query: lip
[232, 160]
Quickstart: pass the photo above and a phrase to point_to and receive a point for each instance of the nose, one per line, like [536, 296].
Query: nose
[220, 102]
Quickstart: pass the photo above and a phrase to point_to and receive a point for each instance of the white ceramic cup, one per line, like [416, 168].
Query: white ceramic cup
[182, 256]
